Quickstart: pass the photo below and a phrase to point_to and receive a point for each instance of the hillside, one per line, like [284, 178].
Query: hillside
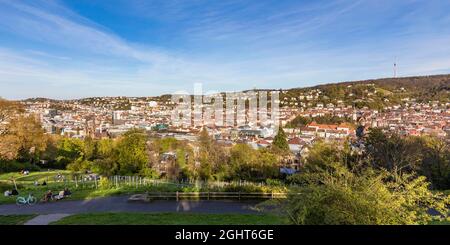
[375, 93]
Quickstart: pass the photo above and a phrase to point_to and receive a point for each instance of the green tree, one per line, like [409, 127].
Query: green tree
[211, 156]
[242, 160]
[89, 148]
[131, 152]
[435, 164]
[104, 148]
[279, 141]
[336, 192]
[266, 165]
[392, 152]
[323, 158]
[373, 197]
[105, 162]
[250, 164]
[76, 154]
[299, 121]
[105, 166]
[180, 168]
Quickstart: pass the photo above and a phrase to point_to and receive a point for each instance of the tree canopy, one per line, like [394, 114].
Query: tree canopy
[330, 191]
[280, 141]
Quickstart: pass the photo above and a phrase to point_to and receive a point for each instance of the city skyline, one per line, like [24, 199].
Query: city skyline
[69, 50]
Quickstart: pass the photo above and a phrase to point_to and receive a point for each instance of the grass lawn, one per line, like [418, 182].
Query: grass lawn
[38, 175]
[444, 222]
[170, 219]
[84, 190]
[77, 194]
[26, 185]
[15, 219]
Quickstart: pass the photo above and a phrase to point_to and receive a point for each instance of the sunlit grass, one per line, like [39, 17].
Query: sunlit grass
[170, 219]
[15, 219]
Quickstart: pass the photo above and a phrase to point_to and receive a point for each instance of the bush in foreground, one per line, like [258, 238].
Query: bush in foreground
[343, 197]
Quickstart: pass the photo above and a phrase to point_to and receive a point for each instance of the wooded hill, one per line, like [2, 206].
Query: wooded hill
[376, 93]
[373, 93]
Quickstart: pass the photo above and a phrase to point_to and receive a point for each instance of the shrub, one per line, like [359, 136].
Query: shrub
[371, 198]
[104, 183]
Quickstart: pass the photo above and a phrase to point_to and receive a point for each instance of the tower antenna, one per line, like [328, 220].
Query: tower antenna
[395, 67]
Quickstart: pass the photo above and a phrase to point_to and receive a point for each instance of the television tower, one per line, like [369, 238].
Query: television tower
[395, 67]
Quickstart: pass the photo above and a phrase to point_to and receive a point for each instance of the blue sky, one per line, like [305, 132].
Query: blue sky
[82, 48]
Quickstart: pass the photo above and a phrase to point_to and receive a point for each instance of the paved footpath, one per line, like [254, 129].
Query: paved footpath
[45, 219]
[121, 204]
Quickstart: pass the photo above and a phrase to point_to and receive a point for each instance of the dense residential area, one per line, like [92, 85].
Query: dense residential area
[306, 117]
[130, 145]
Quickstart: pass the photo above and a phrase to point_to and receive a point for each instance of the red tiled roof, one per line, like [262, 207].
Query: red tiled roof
[263, 142]
[295, 141]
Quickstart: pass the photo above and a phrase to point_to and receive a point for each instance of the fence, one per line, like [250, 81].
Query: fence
[91, 181]
[142, 181]
[206, 195]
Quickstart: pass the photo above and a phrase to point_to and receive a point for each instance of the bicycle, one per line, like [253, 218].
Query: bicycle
[30, 200]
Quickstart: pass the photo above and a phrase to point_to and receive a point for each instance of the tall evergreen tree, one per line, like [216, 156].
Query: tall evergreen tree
[280, 142]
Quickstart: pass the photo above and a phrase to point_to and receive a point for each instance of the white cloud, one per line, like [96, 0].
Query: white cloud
[82, 58]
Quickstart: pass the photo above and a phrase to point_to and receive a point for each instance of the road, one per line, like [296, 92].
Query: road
[121, 204]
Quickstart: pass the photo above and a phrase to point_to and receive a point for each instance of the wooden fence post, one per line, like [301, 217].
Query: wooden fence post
[177, 196]
[14, 181]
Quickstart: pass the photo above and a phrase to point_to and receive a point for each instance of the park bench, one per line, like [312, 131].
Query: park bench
[138, 198]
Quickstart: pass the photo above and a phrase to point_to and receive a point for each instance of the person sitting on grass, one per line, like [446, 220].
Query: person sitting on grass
[14, 192]
[47, 196]
[7, 193]
[60, 195]
[67, 192]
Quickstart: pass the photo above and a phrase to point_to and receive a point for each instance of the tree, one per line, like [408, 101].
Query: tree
[266, 165]
[391, 152]
[336, 191]
[211, 156]
[373, 197]
[89, 148]
[51, 152]
[323, 158]
[70, 151]
[131, 152]
[105, 162]
[104, 148]
[279, 142]
[250, 164]
[299, 121]
[9, 109]
[23, 139]
[181, 167]
[105, 166]
[435, 164]
[242, 159]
